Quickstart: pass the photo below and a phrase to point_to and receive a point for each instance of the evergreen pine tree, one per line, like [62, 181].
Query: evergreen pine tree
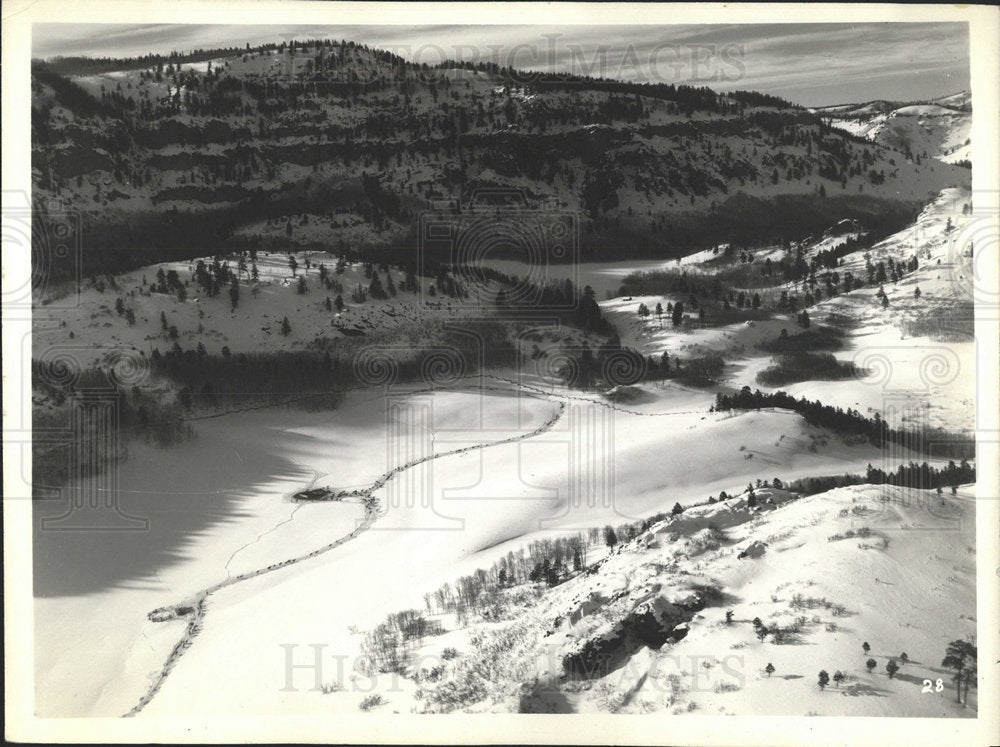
[610, 538]
[677, 315]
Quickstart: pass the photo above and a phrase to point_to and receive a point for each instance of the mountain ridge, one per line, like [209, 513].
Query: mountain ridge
[162, 161]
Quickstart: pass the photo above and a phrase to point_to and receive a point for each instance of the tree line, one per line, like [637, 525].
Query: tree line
[849, 422]
[140, 415]
[911, 475]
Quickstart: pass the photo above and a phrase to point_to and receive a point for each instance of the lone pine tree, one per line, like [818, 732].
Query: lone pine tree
[677, 315]
[962, 657]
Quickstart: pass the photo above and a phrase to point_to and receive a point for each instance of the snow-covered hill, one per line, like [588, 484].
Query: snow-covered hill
[911, 558]
[741, 243]
[501, 476]
[919, 346]
[938, 129]
[343, 146]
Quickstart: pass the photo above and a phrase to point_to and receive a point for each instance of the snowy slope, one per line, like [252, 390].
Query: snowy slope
[930, 371]
[658, 460]
[906, 596]
[939, 129]
[912, 591]
[93, 326]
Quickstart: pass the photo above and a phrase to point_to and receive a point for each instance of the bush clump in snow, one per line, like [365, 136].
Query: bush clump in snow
[372, 701]
[792, 367]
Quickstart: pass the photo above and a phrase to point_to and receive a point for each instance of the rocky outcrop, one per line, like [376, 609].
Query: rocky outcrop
[753, 550]
[652, 623]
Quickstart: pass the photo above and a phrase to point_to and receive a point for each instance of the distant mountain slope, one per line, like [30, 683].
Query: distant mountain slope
[341, 146]
[940, 128]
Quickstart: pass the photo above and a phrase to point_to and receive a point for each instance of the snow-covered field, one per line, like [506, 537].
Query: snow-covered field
[931, 379]
[225, 511]
[466, 508]
[465, 474]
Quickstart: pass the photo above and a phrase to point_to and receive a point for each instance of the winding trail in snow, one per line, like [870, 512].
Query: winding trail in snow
[194, 608]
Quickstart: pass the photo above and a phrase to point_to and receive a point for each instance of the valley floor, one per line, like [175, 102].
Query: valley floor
[465, 474]
[98, 654]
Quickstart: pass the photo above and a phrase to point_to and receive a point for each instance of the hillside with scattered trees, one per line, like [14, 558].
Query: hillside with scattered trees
[319, 144]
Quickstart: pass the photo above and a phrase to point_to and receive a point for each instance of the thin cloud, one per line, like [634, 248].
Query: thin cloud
[811, 64]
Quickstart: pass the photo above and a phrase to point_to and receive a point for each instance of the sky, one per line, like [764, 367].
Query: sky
[810, 64]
